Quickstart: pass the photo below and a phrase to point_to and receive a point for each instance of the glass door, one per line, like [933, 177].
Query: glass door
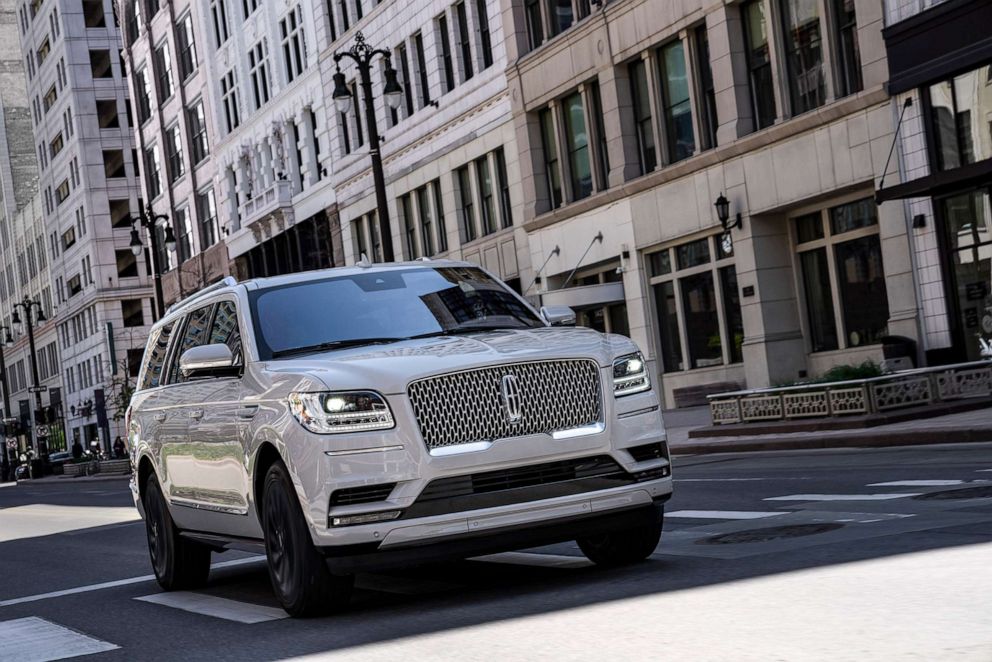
[966, 224]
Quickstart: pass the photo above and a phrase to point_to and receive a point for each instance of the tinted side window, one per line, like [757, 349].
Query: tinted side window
[158, 347]
[194, 335]
[225, 329]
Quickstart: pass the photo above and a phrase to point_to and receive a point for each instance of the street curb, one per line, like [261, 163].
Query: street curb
[807, 442]
[59, 480]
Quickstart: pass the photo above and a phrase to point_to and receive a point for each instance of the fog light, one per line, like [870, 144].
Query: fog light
[365, 518]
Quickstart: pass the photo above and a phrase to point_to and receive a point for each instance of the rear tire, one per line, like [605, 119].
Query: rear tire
[178, 563]
[300, 578]
[623, 547]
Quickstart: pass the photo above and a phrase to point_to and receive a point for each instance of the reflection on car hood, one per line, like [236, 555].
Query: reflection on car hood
[389, 368]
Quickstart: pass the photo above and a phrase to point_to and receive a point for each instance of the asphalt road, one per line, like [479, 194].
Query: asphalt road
[775, 556]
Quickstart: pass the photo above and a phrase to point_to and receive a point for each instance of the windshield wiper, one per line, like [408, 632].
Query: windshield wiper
[461, 330]
[334, 344]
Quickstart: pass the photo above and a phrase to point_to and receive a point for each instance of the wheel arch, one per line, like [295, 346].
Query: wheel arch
[265, 457]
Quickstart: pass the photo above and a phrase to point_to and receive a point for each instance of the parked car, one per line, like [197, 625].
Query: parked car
[383, 415]
[58, 460]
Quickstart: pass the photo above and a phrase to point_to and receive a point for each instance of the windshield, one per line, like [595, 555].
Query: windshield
[383, 306]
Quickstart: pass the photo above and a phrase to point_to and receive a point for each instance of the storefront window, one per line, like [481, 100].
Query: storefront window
[966, 220]
[843, 280]
[697, 304]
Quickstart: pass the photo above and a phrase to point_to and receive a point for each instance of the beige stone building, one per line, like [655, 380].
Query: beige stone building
[634, 116]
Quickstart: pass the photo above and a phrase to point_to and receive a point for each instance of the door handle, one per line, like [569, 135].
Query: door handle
[196, 414]
[160, 417]
[248, 411]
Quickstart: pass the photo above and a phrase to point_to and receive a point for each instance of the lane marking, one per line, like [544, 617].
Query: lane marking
[11, 484]
[735, 480]
[983, 469]
[34, 639]
[40, 519]
[114, 584]
[843, 497]
[537, 560]
[917, 483]
[209, 605]
[723, 514]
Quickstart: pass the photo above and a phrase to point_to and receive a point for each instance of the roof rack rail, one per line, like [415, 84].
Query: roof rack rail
[226, 281]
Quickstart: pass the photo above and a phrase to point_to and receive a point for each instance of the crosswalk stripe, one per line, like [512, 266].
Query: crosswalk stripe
[917, 483]
[723, 514]
[34, 639]
[533, 559]
[114, 584]
[843, 497]
[210, 605]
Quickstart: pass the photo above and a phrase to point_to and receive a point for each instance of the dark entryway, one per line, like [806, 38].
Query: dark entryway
[305, 246]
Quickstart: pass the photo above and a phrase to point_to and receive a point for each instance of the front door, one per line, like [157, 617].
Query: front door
[966, 221]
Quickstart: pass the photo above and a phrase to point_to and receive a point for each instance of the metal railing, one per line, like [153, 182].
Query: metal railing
[907, 388]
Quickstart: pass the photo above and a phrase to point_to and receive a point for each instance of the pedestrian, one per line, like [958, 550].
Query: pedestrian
[119, 450]
[77, 449]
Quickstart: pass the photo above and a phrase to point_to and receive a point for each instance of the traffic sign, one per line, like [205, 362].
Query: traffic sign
[12, 443]
[42, 430]
[38, 389]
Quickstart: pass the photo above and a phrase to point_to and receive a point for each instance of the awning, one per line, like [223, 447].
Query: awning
[586, 296]
[939, 183]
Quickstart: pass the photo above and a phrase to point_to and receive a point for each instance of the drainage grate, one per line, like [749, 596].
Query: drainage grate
[771, 533]
[984, 492]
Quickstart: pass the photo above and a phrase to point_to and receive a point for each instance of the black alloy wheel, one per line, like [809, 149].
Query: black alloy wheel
[178, 563]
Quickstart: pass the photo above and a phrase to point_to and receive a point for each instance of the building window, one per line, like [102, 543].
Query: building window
[759, 63]
[365, 237]
[184, 234]
[643, 122]
[186, 46]
[466, 204]
[503, 186]
[144, 89]
[697, 304]
[62, 192]
[421, 61]
[961, 118]
[218, 12]
[229, 96]
[51, 96]
[153, 168]
[426, 218]
[56, 145]
[676, 106]
[405, 80]
[803, 54]
[206, 211]
[258, 69]
[843, 281]
[535, 23]
[345, 21]
[442, 228]
[249, 7]
[485, 40]
[849, 67]
[293, 45]
[707, 93]
[113, 164]
[486, 195]
[444, 51]
[199, 145]
[577, 147]
[562, 15]
[463, 40]
[106, 111]
[174, 145]
[131, 311]
[163, 62]
[409, 227]
[552, 168]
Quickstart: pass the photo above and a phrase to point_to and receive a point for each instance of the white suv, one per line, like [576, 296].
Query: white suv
[377, 416]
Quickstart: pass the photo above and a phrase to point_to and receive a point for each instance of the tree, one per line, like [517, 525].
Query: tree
[121, 388]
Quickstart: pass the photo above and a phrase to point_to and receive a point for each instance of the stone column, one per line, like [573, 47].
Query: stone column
[728, 61]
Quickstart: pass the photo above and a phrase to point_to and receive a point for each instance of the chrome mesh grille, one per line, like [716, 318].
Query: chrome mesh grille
[464, 407]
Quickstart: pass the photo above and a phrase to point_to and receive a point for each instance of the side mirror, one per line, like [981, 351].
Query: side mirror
[558, 315]
[206, 360]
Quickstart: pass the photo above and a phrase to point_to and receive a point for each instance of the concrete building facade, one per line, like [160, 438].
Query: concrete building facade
[88, 185]
[633, 117]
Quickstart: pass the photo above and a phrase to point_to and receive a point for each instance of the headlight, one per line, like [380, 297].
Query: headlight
[333, 413]
[630, 375]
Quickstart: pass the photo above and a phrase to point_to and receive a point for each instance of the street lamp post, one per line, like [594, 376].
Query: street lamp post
[362, 55]
[149, 220]
[5, 340]
[27, 305]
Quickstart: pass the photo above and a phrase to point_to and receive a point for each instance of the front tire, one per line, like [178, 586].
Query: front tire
[178, 563]
[300, 578]
[623, 547]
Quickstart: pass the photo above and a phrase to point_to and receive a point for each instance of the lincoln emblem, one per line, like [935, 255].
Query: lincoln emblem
[511, 398]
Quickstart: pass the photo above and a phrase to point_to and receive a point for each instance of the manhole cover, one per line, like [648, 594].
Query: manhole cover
[984, 492]
[771, 533]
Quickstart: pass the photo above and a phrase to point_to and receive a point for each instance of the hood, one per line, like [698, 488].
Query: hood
[390, 368]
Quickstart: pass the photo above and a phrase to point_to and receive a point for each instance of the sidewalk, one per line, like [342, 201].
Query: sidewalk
[71, 480]
[963, 427]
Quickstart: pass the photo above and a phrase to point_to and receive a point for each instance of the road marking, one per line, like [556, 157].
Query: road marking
[736, 480]
[113, 584]
[40, 519]
[538, 560]
[34, 639]
[843, 497]
[209, 605]
[983, 469]
[723, 514]
[12, 484]
[917, 483]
